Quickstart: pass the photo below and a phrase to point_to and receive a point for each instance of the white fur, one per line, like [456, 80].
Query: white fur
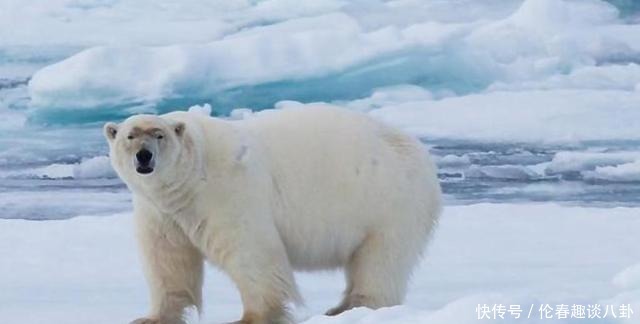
[312, 188]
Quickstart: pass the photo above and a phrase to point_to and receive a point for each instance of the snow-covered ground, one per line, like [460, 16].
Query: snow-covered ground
[85, 269]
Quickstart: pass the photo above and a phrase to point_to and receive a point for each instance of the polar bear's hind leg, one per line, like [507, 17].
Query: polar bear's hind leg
[378, 273]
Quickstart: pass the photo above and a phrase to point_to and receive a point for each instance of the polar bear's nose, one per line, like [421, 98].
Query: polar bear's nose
[144, 156]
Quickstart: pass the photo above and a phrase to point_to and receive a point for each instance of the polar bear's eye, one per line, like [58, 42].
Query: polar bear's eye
[159, 136]
[130, 137]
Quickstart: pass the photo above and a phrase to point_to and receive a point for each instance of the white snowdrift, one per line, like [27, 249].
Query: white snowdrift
[86, 269]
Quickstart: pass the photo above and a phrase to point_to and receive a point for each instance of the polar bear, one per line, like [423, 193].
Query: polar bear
[310, 188]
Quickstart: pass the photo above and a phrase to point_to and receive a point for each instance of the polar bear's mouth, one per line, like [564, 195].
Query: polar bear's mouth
[144, 169]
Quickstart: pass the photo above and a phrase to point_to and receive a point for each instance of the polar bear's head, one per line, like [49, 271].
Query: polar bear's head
[144, 145]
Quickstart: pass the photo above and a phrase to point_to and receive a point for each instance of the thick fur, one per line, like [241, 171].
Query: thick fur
[310, 188]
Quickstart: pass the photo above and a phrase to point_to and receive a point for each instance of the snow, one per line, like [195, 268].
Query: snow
[85, 269]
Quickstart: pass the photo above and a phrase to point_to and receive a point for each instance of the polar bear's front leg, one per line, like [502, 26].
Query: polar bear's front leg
[266, 284]
[173, 268]
[257, 263]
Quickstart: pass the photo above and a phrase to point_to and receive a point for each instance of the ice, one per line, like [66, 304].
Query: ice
[202, 110]
[627, 172]
[536, 116]
[564, 162]
[597, 166]
[452, 160]
[389, 96]
[98, 167]
[86, 22]
[376, 56]
[86, 269]
[349, 50]
[196, 21]
[627, 7]
[611, 77]
[539, 72]
[506, 172]
[11, 120]
[240, 114]
[301, 48]
[55, 171]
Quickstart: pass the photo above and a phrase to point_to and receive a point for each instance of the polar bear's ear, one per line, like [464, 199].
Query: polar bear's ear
[179, 128]
[110, 130]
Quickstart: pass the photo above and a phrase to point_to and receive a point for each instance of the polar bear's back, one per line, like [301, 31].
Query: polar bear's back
[339, 176]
